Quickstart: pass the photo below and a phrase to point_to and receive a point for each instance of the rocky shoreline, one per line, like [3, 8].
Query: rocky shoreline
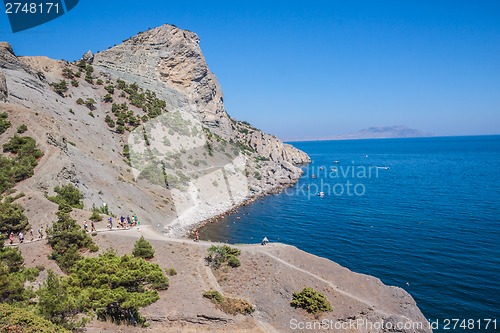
[234, 209]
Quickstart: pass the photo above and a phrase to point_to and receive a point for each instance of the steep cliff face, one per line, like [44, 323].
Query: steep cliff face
[169, 61]
[166, 63]
[72, 125]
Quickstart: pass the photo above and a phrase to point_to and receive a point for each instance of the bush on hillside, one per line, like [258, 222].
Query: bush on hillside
[12, 217]
[143, 249]
[67, 195]
[22, 319]
[67, 240]
[4, 123]
[113, 287]
[311, 300]
[219, 255]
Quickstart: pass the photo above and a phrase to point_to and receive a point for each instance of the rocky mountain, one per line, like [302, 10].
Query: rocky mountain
[384, 132]
[159, 76]
[141, 127]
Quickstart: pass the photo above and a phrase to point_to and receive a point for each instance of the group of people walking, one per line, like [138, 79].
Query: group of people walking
[20, 236]
[123, 222]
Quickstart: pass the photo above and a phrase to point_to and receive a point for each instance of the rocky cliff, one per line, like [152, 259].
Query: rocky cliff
[160, 76]
[142, 128]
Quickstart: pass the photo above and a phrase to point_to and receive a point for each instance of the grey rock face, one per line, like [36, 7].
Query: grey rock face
[4, 93]
[88, 57]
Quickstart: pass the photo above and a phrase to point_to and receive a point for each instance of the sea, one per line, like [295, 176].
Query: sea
[422, 214]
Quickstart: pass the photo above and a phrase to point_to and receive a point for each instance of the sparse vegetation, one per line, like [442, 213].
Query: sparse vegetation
[13, 275]
[60, 87]
[21, 129]
[112, 287]
[4, 123]
[110, 89]
[229, 305]
[219, 255]
[109, 121]
[143, 249]
[67, 240]
[214, 296]
[68, 195]
[12, 217]
[311, 300]
[23, 319]
[171, 271]
[108, 98]
[90, 103]
[20, 166]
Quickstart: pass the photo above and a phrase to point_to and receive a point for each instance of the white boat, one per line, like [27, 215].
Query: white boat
[321, 194]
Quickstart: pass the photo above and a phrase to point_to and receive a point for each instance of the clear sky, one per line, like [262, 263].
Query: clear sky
[308, 69]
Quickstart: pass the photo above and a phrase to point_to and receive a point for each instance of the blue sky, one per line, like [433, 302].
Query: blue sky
[309, 69]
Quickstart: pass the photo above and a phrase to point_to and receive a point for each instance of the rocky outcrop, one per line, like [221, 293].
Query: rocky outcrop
[169, 61]
[4, 93]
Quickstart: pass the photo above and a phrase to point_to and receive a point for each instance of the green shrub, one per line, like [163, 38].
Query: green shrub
[80, 101]
[233, 261]
[113, 287]
[110, 89]
[18, 318]
[214, 296]
[22, 146]
[90, 103]
[67, 239]
[68, 195]
[108, 98]
[143, 249]
[311, 300]
[12, 218]
[171, 271]
[100, 82]
[67, 73]
[75, 83]
[120, 129]
[13, 276]
[218, 255]
[96, 217]
[20, 166]
[4, 123]
[21, 129]
[60, 87]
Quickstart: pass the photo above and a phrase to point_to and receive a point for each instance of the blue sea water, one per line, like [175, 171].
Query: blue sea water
[428, 216]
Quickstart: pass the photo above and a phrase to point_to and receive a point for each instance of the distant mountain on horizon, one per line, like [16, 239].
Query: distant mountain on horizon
[383, 132]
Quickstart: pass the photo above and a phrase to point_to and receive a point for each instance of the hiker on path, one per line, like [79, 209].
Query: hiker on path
[85, 226]
[196, 236]
[11, 238]
[92, 226]
[31, 234]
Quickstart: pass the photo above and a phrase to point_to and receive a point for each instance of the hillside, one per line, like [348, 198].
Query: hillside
[141, 129]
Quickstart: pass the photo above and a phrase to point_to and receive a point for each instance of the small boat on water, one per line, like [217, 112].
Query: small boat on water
[383, 167]
[313, 176]
[321, 194]
[322, 168]
[336, 162]
[334, 169]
